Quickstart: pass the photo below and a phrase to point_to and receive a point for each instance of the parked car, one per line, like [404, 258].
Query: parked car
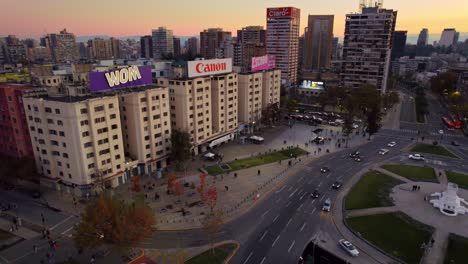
[416, 157]
[326, 205]
[336, 185]
[319, 140]
[348, 247]
[383, 151]
[324, 169]
[391, 144]
[315, 194]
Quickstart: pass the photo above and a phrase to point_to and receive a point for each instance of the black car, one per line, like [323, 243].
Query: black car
[318, 130]
[315, 194]
[354, 154]
[336, 185]
[319, 140]
[455, 143]
[324, 169]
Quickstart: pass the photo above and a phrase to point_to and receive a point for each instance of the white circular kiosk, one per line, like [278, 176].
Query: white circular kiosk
[448, 202]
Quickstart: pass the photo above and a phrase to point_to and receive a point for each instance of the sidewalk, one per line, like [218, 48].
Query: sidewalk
[21, 232]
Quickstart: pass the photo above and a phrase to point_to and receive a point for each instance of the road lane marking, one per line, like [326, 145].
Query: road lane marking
[292, 244]
[68, 230]
[300, 206]
[313, 211]
[61, 222]
[278, 191]
[302, 228]
[320, 183]
[293, 193]
[264, 234]
[263, 215]
[290, 188]
[289, 222]
[328, 175]
[302, 197]
[289, 203]
[275, 218]
[247, 259]
[275, 241]
[263, 260]
[321, 199]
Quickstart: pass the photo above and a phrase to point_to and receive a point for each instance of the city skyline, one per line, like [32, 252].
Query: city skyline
[86, 18]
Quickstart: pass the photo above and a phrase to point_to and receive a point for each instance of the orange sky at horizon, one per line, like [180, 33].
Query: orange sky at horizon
[187, 17]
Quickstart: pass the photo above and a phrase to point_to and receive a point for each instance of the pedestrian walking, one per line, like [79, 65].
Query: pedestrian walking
[42, 218]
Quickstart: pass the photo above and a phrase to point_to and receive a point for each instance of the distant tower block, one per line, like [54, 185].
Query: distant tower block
[370, 3]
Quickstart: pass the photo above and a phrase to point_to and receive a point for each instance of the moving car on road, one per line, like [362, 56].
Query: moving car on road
[455, 143]
[391, 144]
[326, 205]
[383, 151]
[354, 154]
[348, 247]
[336, 185]
[315, 194]
[324, 169]
[358, 158]
[416, 156]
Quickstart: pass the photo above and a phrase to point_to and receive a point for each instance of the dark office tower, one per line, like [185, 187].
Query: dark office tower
[318, 42]
[399, 44]
[449, 37]
[212, 41]
[282, 41]
[146, 44]
[176, 46]
[250, 43]
[300, 53]
[423, 37]
[193, 46]
[163, 43]
[334, 49]
[63, 46]
[367, 47]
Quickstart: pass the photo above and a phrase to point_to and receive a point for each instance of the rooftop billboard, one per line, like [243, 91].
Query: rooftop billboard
[119, 78]
[279, 12]
[200, 68]
[306, 84]
[266, 62]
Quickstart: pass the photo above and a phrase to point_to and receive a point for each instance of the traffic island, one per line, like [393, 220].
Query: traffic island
[395, 233]
[217, 255]
[433, 149]
[372, 190]
[457, 250]
[414, 173]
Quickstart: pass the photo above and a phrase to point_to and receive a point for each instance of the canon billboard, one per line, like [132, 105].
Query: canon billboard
[262, 63]
[209, 67]
[119, 78]
[281, 12]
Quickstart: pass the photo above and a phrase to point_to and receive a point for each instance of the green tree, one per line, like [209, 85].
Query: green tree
[444, 83]
[368, 100]
[108, 220]
[271, 114]
[292, 105]
[181, 147]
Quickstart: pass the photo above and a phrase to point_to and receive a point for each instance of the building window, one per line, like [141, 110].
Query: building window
[99, 108]
[104, 151]
[91, 166]
[53, 132]
[61, 133]
[117, 157]
[99, 120]
[114, 127]
[85, 134]
[84, 122]
[90, 155]
[57, 111]
[59, 122]
[88, 144]
[113, 116]
[65, 155]
[111, 106]
[48, 110]
[83, 111]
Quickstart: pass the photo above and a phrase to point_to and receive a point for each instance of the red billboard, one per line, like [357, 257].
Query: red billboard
[281, 12]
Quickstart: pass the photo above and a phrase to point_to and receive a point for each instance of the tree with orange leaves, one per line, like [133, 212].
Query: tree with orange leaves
[211, 197]
[108, 220]
[136, 184]
[171, 179]
[202, 185]
[178, 188]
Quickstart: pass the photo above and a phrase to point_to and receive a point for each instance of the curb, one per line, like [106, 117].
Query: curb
[228, 259]
[233, 253]
[137, 258]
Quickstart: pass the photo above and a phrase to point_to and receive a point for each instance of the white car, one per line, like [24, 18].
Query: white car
[346, 245]
[355, 126]
[391, 144]
[441, 132]
[383, 151]
[416, 157]
[326, 205]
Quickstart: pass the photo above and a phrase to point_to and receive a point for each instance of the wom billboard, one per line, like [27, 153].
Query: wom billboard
[262, 63]
[119, 78]
[209, 67]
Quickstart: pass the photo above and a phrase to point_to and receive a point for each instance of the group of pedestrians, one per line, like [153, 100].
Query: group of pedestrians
[416, 188]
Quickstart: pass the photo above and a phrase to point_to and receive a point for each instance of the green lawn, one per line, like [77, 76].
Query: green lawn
[458, 178]
[372, 190]
[256, 161]
[219, 256]
[395, 233]
[414, 173]
[457, 250]
[431, 149]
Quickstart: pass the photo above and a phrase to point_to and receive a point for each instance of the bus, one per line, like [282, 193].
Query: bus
[456, 122]
[448, 122]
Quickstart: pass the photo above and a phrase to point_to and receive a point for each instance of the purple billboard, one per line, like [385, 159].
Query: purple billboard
[119, 78]
[266, 62]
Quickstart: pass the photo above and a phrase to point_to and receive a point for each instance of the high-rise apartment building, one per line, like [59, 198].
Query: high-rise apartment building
[100, 49]
[250, 43]
[163, 42]
[213, 41]
[193, 46]
[63, 46]
[271, 87]
[77, 140]
[146, 47]
[146, 126]
[224, 95]
[318, 42]
[449, 37]
[250, 97]
[367, 47]
[399, 44]
[176, 47]
[423, 37]
[334, 49]
[282, 40]
[14, 132]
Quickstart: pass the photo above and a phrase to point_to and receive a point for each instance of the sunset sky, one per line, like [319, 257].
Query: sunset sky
[33, 18]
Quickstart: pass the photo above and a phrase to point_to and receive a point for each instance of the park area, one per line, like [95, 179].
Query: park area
[433, 149]
[414, 173]
[459, 178]
[372, 190]
[217, 256]
[457, 250]
[395, 233]
[255, 161]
